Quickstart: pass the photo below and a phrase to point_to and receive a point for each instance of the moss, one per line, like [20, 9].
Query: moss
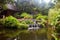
[5, 7]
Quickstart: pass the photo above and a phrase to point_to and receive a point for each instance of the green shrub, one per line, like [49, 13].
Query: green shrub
[27, 22]
[17, 15]
[37, 15]
[11, 22]
[58, 27]
[23, 22]
[58, 24]
[2, 22]
[52, 16]
[26, 15]
[23, 26]
[5, 7]
[41, 17]
[58, 17]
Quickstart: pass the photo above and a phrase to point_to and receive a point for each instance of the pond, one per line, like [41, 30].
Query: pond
[40, 34]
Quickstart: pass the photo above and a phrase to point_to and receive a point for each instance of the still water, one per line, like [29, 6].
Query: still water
[40, 34]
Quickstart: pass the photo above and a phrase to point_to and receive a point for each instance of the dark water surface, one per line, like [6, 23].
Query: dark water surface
[40, 34]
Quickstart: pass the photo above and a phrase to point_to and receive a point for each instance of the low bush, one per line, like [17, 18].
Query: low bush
[23, 26]
[27, 22]
[11, 22]
[58, 27]
[39, 17]
[26, 15]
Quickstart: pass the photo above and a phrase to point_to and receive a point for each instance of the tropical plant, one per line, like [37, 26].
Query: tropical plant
[52, 20]
[23, 26]
[26, 15]
[53, 16]
[27, 22]
[11, 22]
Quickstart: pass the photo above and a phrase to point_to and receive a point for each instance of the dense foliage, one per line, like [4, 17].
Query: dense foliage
[53, 16]
[11, 22]
[26, 15]
[27, 21]
[40, 16]
[52, 19]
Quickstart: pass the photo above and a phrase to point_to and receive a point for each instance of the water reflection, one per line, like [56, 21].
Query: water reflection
[24, 34]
